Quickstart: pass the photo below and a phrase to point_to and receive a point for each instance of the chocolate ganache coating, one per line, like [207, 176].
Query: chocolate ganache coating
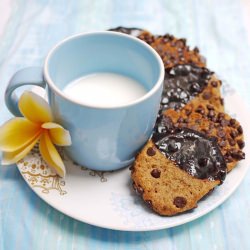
[182, 83]
[192, 151]
[128, 31]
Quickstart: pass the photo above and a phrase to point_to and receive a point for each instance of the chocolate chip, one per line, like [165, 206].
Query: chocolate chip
[211, 125]
[231, 142]
[223, 143]
[150, 151]
[214, 119]
[175, 130]
[222, 101]
[156, 173]
[206, 95]
[232, 122]
[164, 40]
[221, 115]
[241, 144]
[131, 168]
[211, 114]
[215, 139]
[240, 130]
[149, 203]
[183, 40]
[224, 122]
[204, 131]
[196, 50]
[200, 110]
[210, 107]
[241, 155]
[172, 44]
[228, 158]
[195, 87]
[234, 133]
[214, 84]
[188, 112]
[138, 189]
[238, 155]
[221, 133]
[180, 202]
[204, 74]
[203, 162]
[172, 146]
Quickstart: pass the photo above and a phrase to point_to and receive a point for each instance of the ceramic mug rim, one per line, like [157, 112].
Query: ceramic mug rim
[151, 92]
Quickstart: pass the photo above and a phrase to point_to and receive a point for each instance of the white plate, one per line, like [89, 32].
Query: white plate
[107, 199]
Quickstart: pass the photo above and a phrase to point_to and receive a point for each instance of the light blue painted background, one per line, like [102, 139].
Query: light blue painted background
[29, 28]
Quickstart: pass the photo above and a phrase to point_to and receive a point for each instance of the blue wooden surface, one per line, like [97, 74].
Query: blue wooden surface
[28, 29]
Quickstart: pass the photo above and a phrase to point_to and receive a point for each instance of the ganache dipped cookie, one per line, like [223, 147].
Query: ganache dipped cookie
[209, 121]
[176, 168]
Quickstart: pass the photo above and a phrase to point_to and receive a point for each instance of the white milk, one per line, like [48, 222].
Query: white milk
[104, 89]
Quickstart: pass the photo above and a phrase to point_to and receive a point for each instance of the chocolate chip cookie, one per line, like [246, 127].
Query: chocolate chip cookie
[176, 168]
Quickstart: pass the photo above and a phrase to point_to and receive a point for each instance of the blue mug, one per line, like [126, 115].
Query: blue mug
[103, 138]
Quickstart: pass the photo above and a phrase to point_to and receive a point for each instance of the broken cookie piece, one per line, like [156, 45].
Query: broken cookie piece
[176, 168]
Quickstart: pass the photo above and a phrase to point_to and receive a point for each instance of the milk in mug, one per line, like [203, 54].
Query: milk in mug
[105, 90]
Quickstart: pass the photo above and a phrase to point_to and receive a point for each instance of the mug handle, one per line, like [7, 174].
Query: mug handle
[26, 76]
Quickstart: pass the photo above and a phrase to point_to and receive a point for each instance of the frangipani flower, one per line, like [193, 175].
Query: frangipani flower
[20, 134]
